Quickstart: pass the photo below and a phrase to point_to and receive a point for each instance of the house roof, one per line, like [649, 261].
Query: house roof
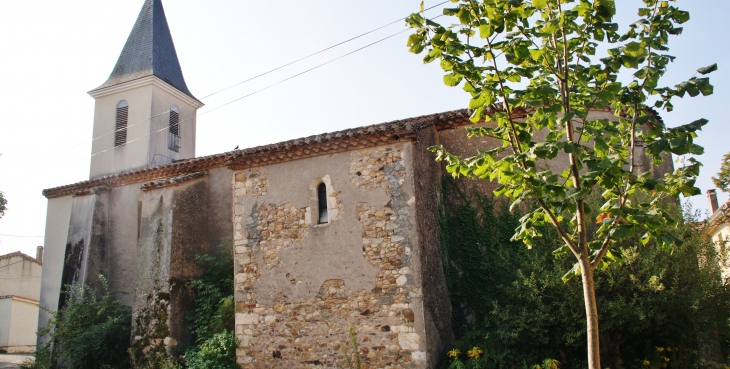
[20, 254]
[149, 51]
[722, 214]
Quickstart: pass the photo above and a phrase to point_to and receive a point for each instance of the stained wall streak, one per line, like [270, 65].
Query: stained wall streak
[86, 245]
[437, 307]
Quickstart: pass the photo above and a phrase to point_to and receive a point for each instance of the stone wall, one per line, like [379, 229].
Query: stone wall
[173, 229]
[299, 285]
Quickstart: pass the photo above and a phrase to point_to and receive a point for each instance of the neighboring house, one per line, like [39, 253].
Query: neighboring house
[718, 229]
[20, 287]
[327, 230]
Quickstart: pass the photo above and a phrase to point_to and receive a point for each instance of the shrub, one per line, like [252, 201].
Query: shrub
[213, 308]
[91, 332]
[217, 352]
[213, 315]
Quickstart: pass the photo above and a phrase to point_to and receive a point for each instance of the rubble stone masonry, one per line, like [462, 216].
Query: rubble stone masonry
[280, 325]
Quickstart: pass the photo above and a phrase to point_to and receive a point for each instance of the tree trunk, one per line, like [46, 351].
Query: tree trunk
[589, 296]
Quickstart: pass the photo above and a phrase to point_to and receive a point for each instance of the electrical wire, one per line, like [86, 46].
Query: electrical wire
[257, 91]
[257, 76]
[263, 89]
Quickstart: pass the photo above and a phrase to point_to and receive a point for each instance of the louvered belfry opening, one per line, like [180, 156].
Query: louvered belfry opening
[173, 142]
[322, 200]
[120, 134]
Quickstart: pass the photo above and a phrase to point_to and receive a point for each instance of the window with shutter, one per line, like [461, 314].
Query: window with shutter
[173, 142]
[120, 133]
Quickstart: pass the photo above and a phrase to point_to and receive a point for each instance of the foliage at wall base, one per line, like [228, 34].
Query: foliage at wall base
[510, 301]
[91, 332]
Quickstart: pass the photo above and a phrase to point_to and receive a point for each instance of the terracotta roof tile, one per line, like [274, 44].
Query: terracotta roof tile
[322, 144]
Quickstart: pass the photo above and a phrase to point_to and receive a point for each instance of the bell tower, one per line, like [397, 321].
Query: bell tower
[144, 113]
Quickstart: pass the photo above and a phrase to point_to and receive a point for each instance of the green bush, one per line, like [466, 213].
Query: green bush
[511, 302]
[89, 333]
[213, 308]
[213, 315]
[217, 352]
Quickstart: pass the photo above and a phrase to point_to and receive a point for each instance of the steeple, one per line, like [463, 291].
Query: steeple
[144, 114]
[149, 51]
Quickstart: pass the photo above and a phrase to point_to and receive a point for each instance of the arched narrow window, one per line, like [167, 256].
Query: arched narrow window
[322, 201]
[173, 142]
[120, 133]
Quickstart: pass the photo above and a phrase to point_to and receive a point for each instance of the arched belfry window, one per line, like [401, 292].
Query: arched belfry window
[120, 132]
[322, 203]
[173, 142]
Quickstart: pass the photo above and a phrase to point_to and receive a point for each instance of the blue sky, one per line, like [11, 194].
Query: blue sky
[55, 51]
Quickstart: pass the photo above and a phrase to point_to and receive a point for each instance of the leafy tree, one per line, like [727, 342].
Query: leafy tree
[655, 298]
[540, 59]
[722, 181]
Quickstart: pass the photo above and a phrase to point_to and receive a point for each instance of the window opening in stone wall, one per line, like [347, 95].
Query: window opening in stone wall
[322, 200]
[173, 140]
[120, 133]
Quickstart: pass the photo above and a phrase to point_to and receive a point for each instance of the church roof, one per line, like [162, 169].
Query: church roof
[322, 144]
[149, 51]
[301, 148]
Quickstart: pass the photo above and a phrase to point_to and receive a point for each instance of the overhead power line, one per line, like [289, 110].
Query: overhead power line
[262, 74]
[252, 78]
[262, 89]
[265, 88]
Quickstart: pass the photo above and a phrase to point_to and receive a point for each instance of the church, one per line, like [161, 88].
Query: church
[328, 230]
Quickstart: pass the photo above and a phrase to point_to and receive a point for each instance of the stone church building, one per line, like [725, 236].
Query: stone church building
[328, 230]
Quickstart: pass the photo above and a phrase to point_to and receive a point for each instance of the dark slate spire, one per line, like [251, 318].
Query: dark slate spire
[149, 51]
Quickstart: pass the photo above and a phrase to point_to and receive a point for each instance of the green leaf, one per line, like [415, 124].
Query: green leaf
[536, 54]
[464, 16]
[452, 79]
[446, 65]
[606, 8]
[573, 272]
[600, 146]
[485, 31]
[539, 3]
[422, 7]
[680, 16]
[703, 84]
[622, 231]
[708, 69]
[477, 114]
